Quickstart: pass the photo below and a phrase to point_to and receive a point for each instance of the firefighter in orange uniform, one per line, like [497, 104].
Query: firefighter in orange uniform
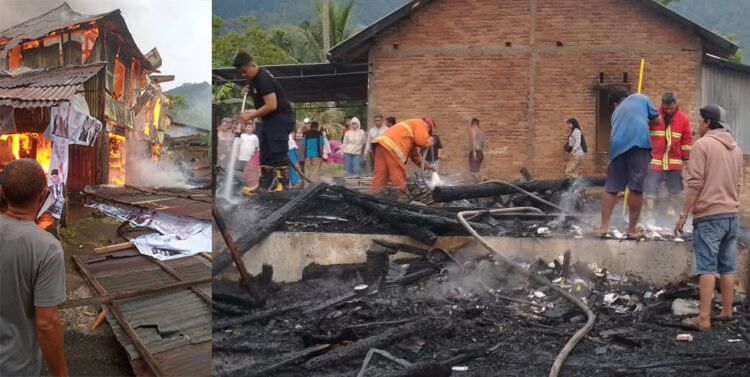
[672, 141]
[393, 148]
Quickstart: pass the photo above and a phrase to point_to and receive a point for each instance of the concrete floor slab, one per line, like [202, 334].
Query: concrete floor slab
[659, 262]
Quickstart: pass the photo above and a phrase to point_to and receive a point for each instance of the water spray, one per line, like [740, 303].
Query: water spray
[229, 178]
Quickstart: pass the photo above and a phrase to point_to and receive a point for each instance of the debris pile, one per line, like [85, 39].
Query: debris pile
[453, 314]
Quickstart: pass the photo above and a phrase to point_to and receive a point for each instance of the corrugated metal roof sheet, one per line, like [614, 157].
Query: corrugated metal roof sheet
[45, 88]
[37, 27]
[175, 325]
[195, 203]
[58, 76]
[63, 17]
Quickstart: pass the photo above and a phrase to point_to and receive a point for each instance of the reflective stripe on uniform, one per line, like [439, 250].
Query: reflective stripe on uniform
[675, 162]
[393, 147]
[408, 129]
[655, 162]
[665, 157]
[657, 133]
[676, 135]
[687, 147]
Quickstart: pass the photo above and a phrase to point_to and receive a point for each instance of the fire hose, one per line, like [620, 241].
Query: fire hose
[570, 345]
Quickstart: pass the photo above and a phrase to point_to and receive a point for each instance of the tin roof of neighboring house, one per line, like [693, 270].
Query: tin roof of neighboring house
[45, 87]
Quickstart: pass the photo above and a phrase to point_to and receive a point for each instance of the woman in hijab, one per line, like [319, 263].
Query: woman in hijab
[576, 147]
[354, 145]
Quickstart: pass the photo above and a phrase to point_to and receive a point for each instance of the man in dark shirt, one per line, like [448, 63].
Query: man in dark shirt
[272, 106]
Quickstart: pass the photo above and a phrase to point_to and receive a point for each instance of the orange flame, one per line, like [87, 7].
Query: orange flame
[21, 147]
[116, 159]
[157, 112]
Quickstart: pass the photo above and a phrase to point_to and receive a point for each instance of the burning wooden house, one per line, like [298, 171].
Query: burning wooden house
[63, 54]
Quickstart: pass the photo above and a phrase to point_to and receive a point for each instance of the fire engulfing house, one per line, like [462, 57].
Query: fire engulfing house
[85, 64]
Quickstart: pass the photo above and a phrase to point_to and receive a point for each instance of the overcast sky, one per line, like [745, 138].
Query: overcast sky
[179, 29]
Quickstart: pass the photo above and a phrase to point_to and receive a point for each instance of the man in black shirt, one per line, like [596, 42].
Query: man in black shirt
[272, 106]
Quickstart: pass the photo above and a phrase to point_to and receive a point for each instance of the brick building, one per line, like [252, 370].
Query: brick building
[525, 66]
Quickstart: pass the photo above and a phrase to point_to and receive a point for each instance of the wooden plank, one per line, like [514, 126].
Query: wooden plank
[246, 277]
[170, 270]
[268, 225]
[115, 247]
[145, 353]
[109, 297]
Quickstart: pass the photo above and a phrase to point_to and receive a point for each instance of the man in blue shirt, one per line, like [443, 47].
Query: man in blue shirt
[629, 155]
[311, 151]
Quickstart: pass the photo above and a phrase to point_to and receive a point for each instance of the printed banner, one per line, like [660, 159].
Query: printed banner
[180, 235]
[57, 177]
[169, 246]
[71, 121]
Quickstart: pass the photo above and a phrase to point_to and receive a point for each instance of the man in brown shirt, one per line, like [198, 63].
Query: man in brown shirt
[713, 197]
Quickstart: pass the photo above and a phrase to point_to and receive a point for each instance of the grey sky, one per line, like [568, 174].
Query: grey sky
[179, 29]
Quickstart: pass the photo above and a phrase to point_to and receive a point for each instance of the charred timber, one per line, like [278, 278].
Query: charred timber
[439, 368]
[270, 224]
[485, 190]
[404, 217]
[359, 349]
[218, 325]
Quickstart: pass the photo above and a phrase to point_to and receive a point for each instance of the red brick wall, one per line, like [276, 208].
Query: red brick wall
[451, 61]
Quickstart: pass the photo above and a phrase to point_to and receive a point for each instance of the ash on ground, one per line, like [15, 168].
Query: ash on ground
[469, 306]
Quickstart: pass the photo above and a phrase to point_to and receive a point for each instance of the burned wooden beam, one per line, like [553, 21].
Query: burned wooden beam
[414, 276]
[440, 368]
[232, 322]
[340, 271]
[268, 225]
[490, 189]
[360, 348]
[245, 276]
[287, 359]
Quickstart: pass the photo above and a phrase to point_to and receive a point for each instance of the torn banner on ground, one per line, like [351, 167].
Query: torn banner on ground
[179, 236]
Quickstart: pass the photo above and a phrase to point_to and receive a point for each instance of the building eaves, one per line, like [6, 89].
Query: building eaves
[356, 46]
[45, 88]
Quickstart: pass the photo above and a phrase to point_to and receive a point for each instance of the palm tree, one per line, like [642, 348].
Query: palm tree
[307, 42]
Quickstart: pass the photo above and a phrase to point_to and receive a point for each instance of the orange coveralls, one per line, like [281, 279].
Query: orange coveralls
[393, 149]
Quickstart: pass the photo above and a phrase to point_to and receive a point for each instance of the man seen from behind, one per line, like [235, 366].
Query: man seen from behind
[32, 277]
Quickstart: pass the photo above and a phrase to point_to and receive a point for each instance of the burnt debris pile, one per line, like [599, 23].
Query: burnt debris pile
[451, 313]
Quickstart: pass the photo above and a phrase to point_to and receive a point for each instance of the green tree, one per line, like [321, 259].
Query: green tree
[737, 58]
[177, 104]
[252, 40]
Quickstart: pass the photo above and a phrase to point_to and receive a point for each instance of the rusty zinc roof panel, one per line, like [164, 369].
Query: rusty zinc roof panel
[37, 27]
[60, 76]
[176, 202]
[45, 88]
[175, 325]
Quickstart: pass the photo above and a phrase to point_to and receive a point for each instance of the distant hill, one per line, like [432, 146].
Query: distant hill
[198, 96]
[270, 13]
[724, 16]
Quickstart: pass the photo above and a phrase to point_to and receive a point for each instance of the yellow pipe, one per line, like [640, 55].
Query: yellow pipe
[640, 84]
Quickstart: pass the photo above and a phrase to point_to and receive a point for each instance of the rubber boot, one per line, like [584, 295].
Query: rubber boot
[267, 178]
[250, 191]
[282, 176]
